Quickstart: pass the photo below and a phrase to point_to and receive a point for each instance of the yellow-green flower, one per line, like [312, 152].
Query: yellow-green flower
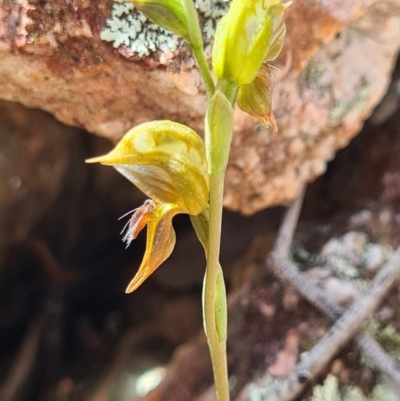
[250, 33]
[167, 162]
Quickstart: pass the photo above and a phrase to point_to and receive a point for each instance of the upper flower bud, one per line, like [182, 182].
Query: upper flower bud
[251, 32]
[178, 16]
[166, 161]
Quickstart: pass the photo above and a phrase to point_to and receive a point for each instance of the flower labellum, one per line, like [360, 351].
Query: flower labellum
[167, 162]
[252, 32]
[160, 237]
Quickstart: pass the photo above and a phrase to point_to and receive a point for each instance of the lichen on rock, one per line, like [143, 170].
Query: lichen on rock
[130, 28]
[212, 11]
[134, 34]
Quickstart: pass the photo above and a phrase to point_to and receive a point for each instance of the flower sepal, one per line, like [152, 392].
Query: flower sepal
[166, 161]
[256, 98]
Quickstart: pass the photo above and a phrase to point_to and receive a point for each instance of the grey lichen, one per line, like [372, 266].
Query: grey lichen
[129, 29]
[353, 254]
[264, 386]
[331, 391]
[344, 264]
[212, 11]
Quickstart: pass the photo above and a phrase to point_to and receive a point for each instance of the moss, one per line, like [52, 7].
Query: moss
[34, 35]
[386, 335]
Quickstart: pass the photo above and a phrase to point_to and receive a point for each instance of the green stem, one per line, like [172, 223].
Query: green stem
[218, 135]
[216, 344]
[229, 89]
[204, 70]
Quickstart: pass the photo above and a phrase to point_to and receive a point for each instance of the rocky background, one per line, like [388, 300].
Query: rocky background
[67, 330]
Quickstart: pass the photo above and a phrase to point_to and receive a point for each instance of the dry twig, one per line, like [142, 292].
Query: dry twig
[345, 327]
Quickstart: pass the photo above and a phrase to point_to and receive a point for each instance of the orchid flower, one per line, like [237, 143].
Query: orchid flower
[167, 162]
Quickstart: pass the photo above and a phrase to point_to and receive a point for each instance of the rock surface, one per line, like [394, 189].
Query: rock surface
[333, 70]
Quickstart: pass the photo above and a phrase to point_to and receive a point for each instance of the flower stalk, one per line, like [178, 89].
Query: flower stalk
[204, 70]
[215, 314]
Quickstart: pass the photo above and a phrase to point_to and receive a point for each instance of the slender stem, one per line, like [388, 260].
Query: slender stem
[204, 70]
[218, 134]
[214, 230]
[217, 347]
[229, 89]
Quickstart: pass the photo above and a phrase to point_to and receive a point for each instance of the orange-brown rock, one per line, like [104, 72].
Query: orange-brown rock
[333, 70]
